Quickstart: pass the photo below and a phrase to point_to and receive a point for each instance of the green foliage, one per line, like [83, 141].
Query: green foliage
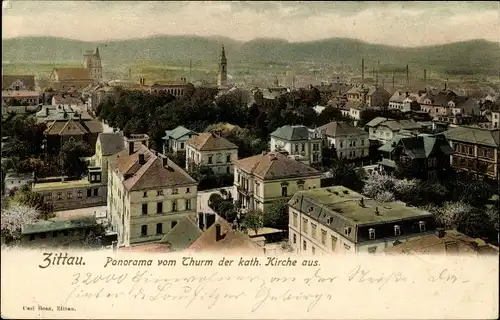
[70, 158]
[178, 158]
[26, 136]
[253, 220]
[276, 215]
[34, 200]
[344, 173]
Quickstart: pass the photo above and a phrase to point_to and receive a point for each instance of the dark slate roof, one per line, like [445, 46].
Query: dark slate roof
[177, 133]
[341, 129]
[182, 235]
[111, 143]
[418, 147]
[479, 136]
[291, 133]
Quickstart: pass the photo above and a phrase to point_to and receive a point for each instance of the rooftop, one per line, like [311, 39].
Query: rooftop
[57, 185]
[341, 129]
[346, 203]
[291, 133]
[475, 135]
[57, 225]
[208, 141]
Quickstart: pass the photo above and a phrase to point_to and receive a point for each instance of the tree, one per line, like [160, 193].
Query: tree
[13, 218]
[70, 158]
[27, 197]
[179, 158]
[344, 174]
[276, 215]
[253, 220]
[214, 201]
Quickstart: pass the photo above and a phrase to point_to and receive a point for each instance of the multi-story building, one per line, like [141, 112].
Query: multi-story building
[299, 142]
[175, 140]
[78, 78]
[383, 129]
[107, 145]
[476, 150]
[92, 62]
[262, 179]
[339, 220]
[422, 156]
[147, 195]
[210, 150]
[372, 96]
[175, 88]
[13, 181]
[349, 141]
[19, 90]
[403, 101]
[65, 193]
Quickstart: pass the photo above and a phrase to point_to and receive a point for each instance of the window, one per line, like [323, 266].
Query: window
[371, 233]
[59, 196]
[315, 147]
[397, 230]
[175, 191]
[313, 230]
[49, 196]
[323, 237]
[187, 190]
[313, 250]
[228, 169]
[347, 230]
[210, 160]
[347, 247]
[362, 142]
[54, 234]
[296, 147]
[144, 208]
[188, 204]
[294, 219]
[182, 145]
[284, 191]
[144, 230]
[304, 245]
[43, 235]
[96, 192]
[173, 224]
[341, 144]
[315, 157]
[294, 238]
[362, 152]
[304, 225]
[174, 205]
[79, 194]
[421, 225]
[333, 241]
[228, 157]
[431, 162]
[159, 192]
[69, 195]
[218, 158]
[159, 207]
[302, 147]
[159, 228]
[32, 237]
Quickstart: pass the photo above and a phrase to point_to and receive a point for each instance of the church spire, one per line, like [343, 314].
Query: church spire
[223, 55]
[97, 51]
[222, 76]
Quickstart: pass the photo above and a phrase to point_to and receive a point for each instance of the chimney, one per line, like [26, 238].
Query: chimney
[407, 75]
[142, 160]
[46, 112]
[218, 235]
[440, 232]
[425, 77]
[446, 84]
[165, 162]
[130, 147]
[407, 94]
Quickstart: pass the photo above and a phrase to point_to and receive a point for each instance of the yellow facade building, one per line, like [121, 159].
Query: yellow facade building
[262, 179]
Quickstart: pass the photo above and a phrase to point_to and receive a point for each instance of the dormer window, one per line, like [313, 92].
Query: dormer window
[371, 233]
[397, 230]
[347, 230]
[310, 209]
[421, 225]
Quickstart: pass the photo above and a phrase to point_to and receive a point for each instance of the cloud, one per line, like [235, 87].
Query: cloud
[392, 23]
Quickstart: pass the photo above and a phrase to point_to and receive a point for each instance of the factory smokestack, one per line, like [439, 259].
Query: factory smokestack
[407, 75]
[425, 77]
[362, 70]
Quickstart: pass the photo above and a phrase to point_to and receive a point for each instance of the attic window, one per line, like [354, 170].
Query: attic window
[421, 225]
[397, 230]
[371, 233]
[310, 209]
[347, 230]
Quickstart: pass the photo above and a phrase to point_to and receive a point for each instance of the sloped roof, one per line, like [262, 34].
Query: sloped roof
[111, 143]
[274, 166]
[433, 244]
[341, 129]
[396, 125]
[232, 240]
[207, 141]
[93, 126]
[177, 133]
[68, 127]
[418, 147]
[480, 136]
[8, 80]
[152, 174]
[73, 74]
[291, 133]
[67, 99]
[375, 122]
[182, 235]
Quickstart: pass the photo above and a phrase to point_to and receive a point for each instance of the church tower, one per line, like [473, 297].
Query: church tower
[222, 76]
[92, 62]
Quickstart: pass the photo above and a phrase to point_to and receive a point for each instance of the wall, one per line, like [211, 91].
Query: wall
[217, 166]
[76, 200]
[359, 148]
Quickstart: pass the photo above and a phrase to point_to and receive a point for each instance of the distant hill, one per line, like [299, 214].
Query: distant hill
[461, 57]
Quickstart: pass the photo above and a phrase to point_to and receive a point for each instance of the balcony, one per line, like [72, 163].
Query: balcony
[244, 191]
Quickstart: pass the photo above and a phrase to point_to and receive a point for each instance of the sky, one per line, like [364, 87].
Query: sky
[407, 24]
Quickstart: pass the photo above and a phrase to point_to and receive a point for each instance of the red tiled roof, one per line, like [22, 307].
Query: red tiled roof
[207, 141]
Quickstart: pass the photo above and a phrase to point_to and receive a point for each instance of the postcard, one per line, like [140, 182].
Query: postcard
[250, 160]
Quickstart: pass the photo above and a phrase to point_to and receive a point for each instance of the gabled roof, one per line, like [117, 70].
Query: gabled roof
[208, 141]
[111, 143]
[291, 133]
[480, 136]
[418, 147]
[182, 235]
[73, 74]
[341, 129]
[27, 80]
[396, 125]
[232, 240]
[273, 166]
[150, 175]
[69, 127]
[375, 122]
[177, 133]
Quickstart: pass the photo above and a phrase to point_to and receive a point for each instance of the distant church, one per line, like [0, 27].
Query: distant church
[222, 76]
[78, 78]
